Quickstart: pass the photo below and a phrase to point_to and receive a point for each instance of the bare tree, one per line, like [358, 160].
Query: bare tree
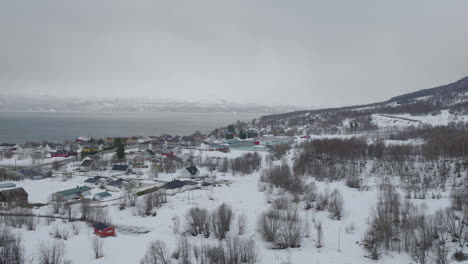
[97, 244]
[56, 165]
[318, 234]
[154, 172]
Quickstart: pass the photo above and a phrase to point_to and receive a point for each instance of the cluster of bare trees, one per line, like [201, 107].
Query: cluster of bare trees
[152, 201]
[217, 222]
[282, 225]
[246, 164]
[282, 177]
[11, 247]
[233, 250]
[53, 252]
[19, 217]
[401, 226]
[94, 213]
[277, 152]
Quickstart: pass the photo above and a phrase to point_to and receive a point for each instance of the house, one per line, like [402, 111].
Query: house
[9, 146]
[60, 154]
[30, 174]
[148, 154]
[50, 147]
[90, 163]
[190, 172]
[73, 193]
[168, 154]
[101, 196]
[122, 168]
[95, 181]
[116, 185]
[7, 185]
[139, 159]
[13, 197]
[90, 150]
[103, 230]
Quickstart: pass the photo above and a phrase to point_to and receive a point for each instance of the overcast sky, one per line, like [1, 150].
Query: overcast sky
[305, 52]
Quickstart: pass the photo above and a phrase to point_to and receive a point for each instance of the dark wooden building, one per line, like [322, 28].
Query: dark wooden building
[13, 197]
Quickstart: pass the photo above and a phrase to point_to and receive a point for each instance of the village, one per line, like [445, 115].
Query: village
[89, 170]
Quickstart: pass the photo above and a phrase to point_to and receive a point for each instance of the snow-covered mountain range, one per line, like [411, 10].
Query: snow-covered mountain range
[57, 104]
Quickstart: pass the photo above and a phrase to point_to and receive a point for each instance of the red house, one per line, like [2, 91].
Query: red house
[104, 230]
[61, 153]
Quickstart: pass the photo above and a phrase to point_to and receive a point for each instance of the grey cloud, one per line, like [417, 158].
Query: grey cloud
[270, 52]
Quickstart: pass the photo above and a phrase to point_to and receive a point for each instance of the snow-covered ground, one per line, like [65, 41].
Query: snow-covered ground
[242, 194]
[27, 161]
[406, 120]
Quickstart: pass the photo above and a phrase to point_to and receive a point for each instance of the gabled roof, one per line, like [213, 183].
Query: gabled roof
[116, 183]
[120, 167]
[175, 184]
[93, 179]
[87, 163]
[7, 185]
[192, 170]
[7, 145]
[100, 226]
[103, 194]
[149, 151]
[29, 173]
[77, 190]
[12, 194]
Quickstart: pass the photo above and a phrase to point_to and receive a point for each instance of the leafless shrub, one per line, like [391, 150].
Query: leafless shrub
[100, 215]
[31, 223]
[220, 221]
[290, 235]
[335, 207]
[52, 253]
[322, 201]
[441, 256]
[241, 223]
[85, 209]
[198, 221]
[230, 251]
[268, 225]
[184, 249]
[97, 244]
[76, 227]
[246, 164]
[12, 250]
[175, 225]
[281, 203]
[60, 233]
[310, 195]
[157, 253]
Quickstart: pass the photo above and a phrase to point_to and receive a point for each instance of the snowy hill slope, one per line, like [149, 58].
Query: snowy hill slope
[436, 106]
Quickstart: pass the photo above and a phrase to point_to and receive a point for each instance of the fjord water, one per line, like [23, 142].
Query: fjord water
[19, 127]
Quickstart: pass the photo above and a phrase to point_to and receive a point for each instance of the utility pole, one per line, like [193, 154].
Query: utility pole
[339, 239]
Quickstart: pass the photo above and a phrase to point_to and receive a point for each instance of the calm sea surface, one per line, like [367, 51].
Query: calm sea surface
[21, 127]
